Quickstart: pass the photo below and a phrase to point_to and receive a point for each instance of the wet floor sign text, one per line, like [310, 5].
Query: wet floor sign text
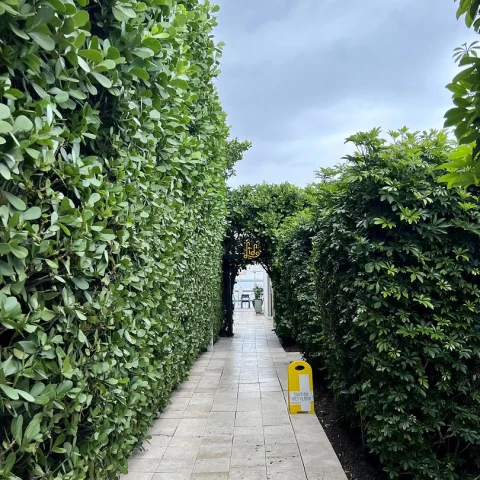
[300, 388]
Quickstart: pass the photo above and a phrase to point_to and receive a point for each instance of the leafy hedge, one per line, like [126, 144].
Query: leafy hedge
[394, 320]
[258, 211]
[294, 293]
[112, 165]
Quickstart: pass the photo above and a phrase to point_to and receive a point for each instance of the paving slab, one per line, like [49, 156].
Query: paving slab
[230, 419]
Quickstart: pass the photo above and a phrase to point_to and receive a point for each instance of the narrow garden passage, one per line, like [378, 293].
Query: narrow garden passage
[230, 419]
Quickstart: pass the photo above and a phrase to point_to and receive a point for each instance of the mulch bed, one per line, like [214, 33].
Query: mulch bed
[356, 462]
[290, 348]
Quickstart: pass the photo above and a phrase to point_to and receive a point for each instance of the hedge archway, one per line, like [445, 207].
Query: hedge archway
[255, 214]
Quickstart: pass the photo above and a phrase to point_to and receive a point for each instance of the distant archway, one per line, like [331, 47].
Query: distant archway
[243, 250]
[255, 213]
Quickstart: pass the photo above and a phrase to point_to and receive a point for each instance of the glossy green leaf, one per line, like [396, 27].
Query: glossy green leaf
[5, 127]
[22, 124]
[93, 55]
[81, 283]
[44, 41]
[106, 65]
[6, 269]
[26, 396]
[15, 201]
[9, 392]
[18, 251]
[140, 73]
[143, 52]
[94, 198]
[122, 13]
[153, 44]
[83, 64]
[102, 79]
[5, 172]
[80, 19]
[9, 463]
[58, 5]
[32, 213]
[33, 429]
[4, 112]
[17, 429]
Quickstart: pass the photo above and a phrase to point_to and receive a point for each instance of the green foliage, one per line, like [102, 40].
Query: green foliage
[258, 211]
[470, 10]
[258, 292]
[464, 163]
[112, 179]
[235, 152]
[294, 294]
[396, 264]
[463, 168]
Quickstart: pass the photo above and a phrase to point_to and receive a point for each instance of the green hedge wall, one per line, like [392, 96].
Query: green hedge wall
[112, 179]
[294, 293]
[393, 317]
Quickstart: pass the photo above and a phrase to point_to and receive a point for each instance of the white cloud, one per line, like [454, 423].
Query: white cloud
[308, 26]
[300, 76]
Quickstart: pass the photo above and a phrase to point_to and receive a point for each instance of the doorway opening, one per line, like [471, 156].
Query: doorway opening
[250, 278]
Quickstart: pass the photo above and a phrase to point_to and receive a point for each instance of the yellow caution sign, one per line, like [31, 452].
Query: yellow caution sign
[300, 388]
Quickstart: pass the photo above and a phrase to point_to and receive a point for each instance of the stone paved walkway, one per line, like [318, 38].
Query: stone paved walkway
[230, 419]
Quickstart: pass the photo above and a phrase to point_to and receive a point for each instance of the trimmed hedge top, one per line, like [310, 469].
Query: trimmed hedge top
[112, 179]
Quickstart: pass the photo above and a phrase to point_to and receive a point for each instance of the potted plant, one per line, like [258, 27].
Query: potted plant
[257, 303]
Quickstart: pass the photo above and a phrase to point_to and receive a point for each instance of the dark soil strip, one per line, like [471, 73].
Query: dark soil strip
[291, 348]
[358, 465]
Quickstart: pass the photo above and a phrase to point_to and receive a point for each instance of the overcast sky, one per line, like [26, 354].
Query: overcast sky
[299, 76]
